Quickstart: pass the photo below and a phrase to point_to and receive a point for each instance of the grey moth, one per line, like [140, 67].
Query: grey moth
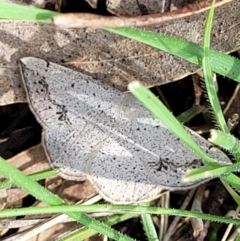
[94, 131]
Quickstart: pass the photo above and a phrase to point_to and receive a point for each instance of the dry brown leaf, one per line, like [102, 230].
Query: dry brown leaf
[128, 7]
[70, 191]
[106, 56]
[30, 161]
[56, 231]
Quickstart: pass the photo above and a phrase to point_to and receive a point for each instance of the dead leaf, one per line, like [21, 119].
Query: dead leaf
[108, 57]
[30, 161]
[70, 191]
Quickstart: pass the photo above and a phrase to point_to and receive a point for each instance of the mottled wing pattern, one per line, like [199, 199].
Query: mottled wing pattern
[93, 130]
[71, 111]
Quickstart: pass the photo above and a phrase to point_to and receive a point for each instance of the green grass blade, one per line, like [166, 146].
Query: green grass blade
[85, 233]
[232, 180]
[201, 173]
[13, 11]
[220, 63]
[234, 194]
[23, 181]
[225, 141]
[148, 227]
[208, 78]
[151, 102]
[121, 209]
[217, 111]
[36, 190]
[35, 177]
[190, 113]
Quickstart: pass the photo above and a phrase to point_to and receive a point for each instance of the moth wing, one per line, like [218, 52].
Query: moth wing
[60, 96]
[68, 150]
[118, 174]
[163, 158]
[175, 158]
[71, 107]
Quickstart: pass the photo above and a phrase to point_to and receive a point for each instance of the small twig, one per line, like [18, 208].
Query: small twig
[26, 235]
[176, 219]
[83, 20]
